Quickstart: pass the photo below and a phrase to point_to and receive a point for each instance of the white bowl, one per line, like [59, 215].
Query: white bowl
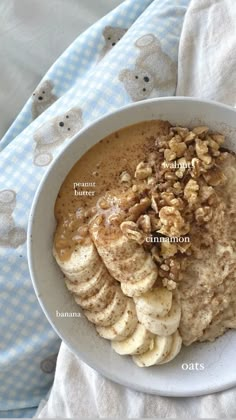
[171, 379]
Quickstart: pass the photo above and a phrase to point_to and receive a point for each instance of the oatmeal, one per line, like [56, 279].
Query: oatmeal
[208, 286]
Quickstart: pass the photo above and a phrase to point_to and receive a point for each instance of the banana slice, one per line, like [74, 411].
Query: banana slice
[120, 246]
[156, 302]
[99, 301]
[111, 313]
[166, 325]
[160, 349]
[82, 256]
[175, 348]
[134, 268]
[83, 263]
[140, 287]
[137, 267]
[91, 287]
[124, 327]
[127, 261]
[139, 342]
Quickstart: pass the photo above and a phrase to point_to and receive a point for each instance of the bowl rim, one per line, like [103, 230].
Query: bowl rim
[84, 357]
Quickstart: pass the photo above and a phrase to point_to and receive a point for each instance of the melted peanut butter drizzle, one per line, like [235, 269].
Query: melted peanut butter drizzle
[103, 164]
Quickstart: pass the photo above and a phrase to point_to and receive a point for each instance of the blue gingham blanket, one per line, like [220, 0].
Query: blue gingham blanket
[129, 55]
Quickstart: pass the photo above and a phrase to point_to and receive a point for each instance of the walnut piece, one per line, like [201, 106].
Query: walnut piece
[182, 166]
[169, 284]
[219, 138]
[196, 168]
[168, 249]
[173, 223]
[182, 131]
[191, 191]
[125, 177]
[202, 151]
[154, 202]
[131, 231]
[155, 222]
[190, 137]
[144, 222]
[139, 208]
[201, 131]
[169, 155]
[143, 170]
[178, 148]
[205, 193]
[203, 214]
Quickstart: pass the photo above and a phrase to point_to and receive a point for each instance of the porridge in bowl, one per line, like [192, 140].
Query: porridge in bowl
[146, 238]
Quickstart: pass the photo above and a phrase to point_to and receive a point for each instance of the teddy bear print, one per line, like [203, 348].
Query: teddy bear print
[112, 35]
[42, 98]
[53, 133]
[154, 72]
[10, 234]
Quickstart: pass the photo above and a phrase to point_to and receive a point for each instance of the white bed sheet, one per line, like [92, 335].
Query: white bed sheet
[33, 33]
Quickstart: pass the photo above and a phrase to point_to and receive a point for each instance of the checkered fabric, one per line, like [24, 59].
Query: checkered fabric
[85, 78]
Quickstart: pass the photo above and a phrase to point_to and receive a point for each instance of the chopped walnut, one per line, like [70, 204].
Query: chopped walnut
[190, 137]
[202, 151]
[151, 181]
[190, 152]
[182, 166]
[174, 268]
[203, 214]
[196, 168]
[126, 200]
[154, 201]
[177, 148]
[219, 138]
[205, 193]
[169, 155]
[191, 191]
[170, 176]
[173, 223]
[212, 143]
[152, 158]
[201, 131]
[125, 177]
[131, 231]
[144, 222]
[168, 249]
[143, 170]
[169, 199]
[166, 198]
[165, 267]
[182, 131]
[177, 188]
[155, 222]
[169, 284]
[139, 208]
